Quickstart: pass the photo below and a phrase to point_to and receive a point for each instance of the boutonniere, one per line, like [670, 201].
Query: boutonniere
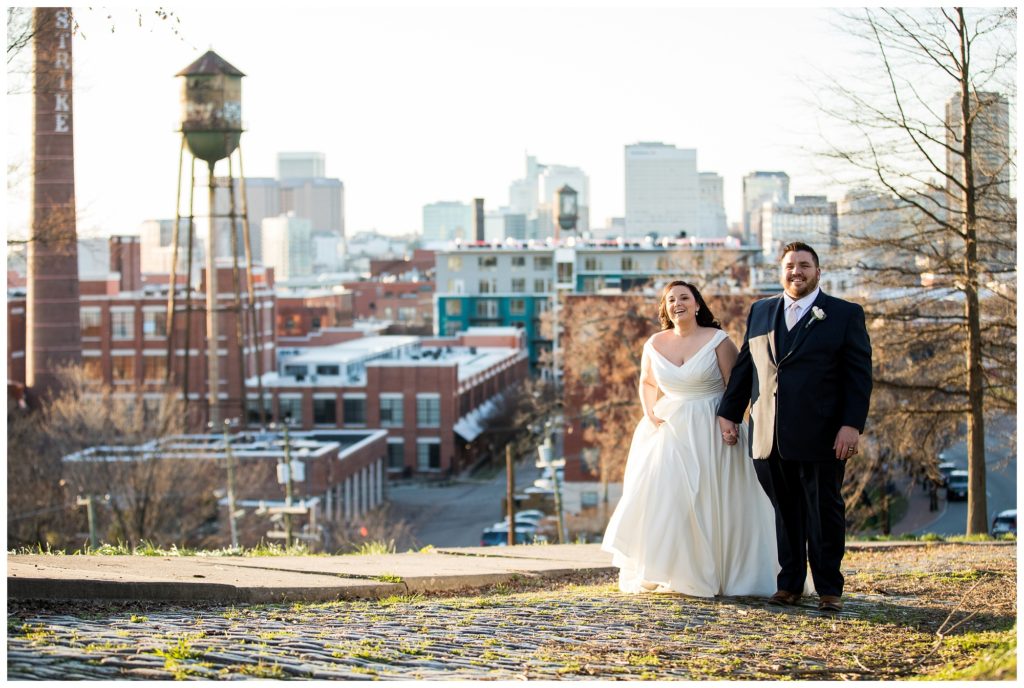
[816, 314]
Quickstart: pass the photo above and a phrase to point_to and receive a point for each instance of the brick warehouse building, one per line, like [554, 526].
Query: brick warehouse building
[342, 475]
[430, 394]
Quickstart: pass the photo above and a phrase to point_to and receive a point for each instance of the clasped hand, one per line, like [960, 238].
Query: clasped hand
[730, 432]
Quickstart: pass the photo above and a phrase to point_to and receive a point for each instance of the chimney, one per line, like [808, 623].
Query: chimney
[478, 218]
[54, 334]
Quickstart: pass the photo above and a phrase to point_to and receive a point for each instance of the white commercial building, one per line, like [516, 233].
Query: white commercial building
[810, 219]
[304, 165]
[662, 190]
[448, 220]
[758, 188]
[155, 245]
[711, 219]
[288, 246]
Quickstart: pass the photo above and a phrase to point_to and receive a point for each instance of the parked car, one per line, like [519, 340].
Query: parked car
[1005, 522]
[521, 520]
[956, 486]
[945, 468]
[498, 536]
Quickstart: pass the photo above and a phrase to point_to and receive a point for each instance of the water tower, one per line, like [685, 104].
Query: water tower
[211, 131]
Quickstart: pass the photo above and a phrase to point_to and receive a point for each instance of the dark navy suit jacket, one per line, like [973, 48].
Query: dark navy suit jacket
[801, 398]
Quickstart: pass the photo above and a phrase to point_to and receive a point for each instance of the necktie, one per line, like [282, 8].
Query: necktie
[792, 315]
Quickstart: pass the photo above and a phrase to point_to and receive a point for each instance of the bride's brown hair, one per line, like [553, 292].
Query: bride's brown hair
[705, 318]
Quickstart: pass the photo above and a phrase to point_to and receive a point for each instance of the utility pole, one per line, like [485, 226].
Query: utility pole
[510, 502]
[231, 486]
[89, 502]
[287, 488]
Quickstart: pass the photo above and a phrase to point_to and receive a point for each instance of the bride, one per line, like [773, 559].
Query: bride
[693, 517]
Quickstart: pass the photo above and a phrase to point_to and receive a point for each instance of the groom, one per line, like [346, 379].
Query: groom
[805, 367]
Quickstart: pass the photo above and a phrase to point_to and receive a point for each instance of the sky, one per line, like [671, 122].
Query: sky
[413, 105]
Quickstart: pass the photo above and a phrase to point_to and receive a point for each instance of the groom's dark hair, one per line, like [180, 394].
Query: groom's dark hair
[705, 318]
[799, 246]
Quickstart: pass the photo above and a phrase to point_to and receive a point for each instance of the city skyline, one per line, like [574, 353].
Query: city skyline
[450, 106]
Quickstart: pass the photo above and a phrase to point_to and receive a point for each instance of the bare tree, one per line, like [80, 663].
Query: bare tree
[164, 501]
[931, 233]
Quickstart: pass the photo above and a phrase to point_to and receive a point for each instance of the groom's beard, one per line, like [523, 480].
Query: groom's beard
[799, 290]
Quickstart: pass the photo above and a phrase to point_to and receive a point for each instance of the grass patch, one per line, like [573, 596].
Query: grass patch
[994, 655]
[376, 547]
[388, 578]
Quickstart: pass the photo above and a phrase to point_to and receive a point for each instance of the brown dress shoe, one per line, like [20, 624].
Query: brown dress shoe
[784, 598]
[830, 603]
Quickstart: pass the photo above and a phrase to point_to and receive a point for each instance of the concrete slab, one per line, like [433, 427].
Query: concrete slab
[175, 579]
[297, 578]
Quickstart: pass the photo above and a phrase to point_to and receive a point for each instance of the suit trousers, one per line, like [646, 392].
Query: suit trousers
[810, 520]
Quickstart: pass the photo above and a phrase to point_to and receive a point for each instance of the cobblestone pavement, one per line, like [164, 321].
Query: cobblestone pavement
[896, 602]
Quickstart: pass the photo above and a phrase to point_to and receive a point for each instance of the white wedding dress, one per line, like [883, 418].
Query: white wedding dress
[693, 517]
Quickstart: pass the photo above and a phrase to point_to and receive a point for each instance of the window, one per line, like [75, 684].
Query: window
[565, 272]
[123, 369]
[591, 264]
[391, 410]
[296, 371]
[518, 285]
[664, 263]
[455, 263]
[487, 262]
[519, 261]
[354, 410]
[588, 498]
[314, 322]
[542, 262]
[428, 454]
[487, 308]
[628, 263]
[154, 368]
[517, 307]
[488, 286]
[428, 410]
[328, 370]
[92, 321]
[325, 410]
[396, 455]
[154, 324]
[92, 367]
[453, 307]
[290, 409]
[252, 410]
[540, 286]
[407, 313]
[122, 324]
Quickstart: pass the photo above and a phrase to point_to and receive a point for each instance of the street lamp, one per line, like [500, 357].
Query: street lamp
[545, 453]
[230, 458]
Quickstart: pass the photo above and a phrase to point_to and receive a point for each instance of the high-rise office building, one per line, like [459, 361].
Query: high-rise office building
[662, 190]
[711, 218]
[448, 220]
[301, 165]
[288, 246]
[811, 219]
[758, 188]
[156, 238]
[991, 147]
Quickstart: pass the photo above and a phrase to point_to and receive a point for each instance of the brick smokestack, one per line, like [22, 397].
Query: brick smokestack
[54, 336]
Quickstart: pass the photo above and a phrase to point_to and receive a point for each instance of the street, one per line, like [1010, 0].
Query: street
[454, 515]
[1000, 479]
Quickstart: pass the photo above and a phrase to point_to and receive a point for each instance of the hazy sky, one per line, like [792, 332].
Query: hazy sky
[416, 105]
